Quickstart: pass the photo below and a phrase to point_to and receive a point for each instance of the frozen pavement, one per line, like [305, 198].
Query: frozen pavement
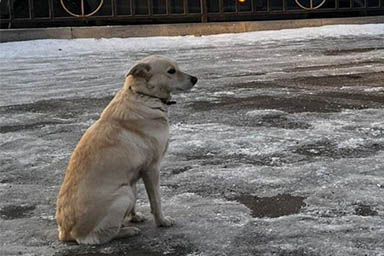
[277, 151]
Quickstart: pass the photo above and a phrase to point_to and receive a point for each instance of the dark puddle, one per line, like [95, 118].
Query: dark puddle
[210, 157]
[63, 108]
[342, 65]
[325, 83]
[272, 120]
[10, 212]
[320, 103]
[272, 207]
[119, 253]
[358, 100]
[130, 248]
[21, 127]
[365, 210]
[350, 51]
[327, 148]
[320, 82]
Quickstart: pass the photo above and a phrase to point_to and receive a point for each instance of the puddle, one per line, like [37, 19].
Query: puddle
[62, 108]
[21, 127]
[327, 148]
[11, 212]
[320, 103]
[272, 207]
[276, 121]
[122, 249]
[351, 51]
[119, 253]
[338, 66]
[365, 210]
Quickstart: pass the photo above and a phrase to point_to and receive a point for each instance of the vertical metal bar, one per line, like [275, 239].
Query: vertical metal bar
[204, 13]
[133, 7]
[221, 6]
[185, 5]
[168, 7]
[150, 9]
[10, 9]
[268, 6]
[11, 14]
[82, 8]
[253, 8]
[285, 4]
[113, 6]
[30, 8]
[236, 7]
[51, 10]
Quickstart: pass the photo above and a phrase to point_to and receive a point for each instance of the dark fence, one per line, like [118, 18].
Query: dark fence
[44, 13]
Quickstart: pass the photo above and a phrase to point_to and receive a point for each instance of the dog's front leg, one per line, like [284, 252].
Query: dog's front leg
[152, 185]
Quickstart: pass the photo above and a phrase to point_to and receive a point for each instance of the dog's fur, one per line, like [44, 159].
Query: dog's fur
[127, 143]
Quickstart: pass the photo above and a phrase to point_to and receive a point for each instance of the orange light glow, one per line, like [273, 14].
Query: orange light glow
[241, 1]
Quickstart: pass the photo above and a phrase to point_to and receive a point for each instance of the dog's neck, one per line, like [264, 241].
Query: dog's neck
[164, 101]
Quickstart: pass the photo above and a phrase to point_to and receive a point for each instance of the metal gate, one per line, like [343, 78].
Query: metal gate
[45, 13]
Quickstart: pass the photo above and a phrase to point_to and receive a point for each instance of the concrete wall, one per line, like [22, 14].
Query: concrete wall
[9, 35]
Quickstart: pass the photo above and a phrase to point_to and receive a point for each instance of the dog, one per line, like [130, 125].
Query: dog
[127, 143]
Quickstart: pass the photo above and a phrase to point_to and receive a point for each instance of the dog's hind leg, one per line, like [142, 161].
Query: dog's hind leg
[110, 226]
[133, 216]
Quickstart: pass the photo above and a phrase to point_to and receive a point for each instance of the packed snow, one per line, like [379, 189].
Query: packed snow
[290, 117]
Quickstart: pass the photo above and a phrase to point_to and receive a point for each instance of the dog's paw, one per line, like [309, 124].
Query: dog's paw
[165, 222]
[137, 218]
[128, 232]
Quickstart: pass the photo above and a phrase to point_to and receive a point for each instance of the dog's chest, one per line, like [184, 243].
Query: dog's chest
[161, 135]
[150, 135]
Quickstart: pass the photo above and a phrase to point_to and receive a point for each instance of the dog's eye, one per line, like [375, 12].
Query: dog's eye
[172, 71]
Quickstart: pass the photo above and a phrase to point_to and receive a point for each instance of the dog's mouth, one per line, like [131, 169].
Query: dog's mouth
[177, 91]
[193, 80]
[185, 88]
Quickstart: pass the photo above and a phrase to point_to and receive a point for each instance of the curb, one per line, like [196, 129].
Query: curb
[197, 29]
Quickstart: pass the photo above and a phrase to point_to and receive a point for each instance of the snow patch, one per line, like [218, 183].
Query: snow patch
[264, 112]
[351, 143]
[64, 47]
[374, 89]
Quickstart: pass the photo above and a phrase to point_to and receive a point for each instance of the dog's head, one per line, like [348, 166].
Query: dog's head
[159, 76]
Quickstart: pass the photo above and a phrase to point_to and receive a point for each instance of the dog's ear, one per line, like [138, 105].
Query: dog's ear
[140, 70]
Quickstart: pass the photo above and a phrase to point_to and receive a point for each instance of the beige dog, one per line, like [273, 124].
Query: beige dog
[127, 143]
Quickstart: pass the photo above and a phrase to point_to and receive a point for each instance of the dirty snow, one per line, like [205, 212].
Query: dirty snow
[278, 118]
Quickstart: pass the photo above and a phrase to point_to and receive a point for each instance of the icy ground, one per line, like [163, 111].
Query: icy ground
[277, 151]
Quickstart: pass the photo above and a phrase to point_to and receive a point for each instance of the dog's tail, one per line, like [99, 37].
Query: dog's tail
[65, 235]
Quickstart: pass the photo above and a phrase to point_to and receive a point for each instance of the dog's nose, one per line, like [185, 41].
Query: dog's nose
[193, 80]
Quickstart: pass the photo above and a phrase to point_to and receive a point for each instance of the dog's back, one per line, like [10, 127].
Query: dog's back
[74, 202]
